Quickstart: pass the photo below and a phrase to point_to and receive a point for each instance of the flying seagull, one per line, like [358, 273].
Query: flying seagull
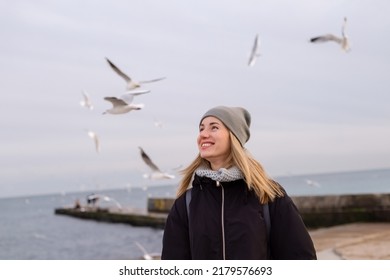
[86, 102]
[342, 41]
[110, 199]
[95, 138]
[124, 104]
[146, 255]
[130, 83]
[156, 172]
[94, 198]
[312, 183]
[255, 51]
[158, 123]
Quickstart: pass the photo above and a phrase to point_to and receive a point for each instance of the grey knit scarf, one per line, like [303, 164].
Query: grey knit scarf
[221, 175]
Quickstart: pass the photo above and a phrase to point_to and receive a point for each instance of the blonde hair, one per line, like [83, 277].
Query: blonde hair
[254, 175]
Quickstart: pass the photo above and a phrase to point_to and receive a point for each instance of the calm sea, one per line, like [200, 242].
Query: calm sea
[31, 230]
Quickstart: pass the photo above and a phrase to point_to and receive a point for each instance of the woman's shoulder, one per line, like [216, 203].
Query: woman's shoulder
[282, 200]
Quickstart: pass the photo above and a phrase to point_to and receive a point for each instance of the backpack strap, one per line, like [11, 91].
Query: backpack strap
[267, 219]
[188, 200]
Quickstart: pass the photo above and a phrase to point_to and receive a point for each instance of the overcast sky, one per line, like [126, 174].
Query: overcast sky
[315, 108]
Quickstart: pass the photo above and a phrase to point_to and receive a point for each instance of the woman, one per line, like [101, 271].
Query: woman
[223, 216]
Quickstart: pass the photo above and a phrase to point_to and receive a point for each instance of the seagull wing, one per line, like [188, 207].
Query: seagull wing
[86, 98]
[86, 102]
[118, 71]
[343, 28]
[254, 51]
[116, 101]
[148, 161]
[93, 196]
[142, 248]
[151, 81]
[95, 139]
[326, 38]
[129, 96]
[138, 92]
[146, 255]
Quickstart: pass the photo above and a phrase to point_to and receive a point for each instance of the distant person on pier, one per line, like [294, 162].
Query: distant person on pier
[226, 206]
[77, 204]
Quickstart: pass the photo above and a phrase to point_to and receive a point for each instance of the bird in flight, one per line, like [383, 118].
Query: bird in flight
[124, 104]
[146, 255]
[130, 83]
[86, 101]
[343, 41]
[94, 198]
[156, 172]
[254, 52]
[158, 123]
[95, 138]
[312, 183]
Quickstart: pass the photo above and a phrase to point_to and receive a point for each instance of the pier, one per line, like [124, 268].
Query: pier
[113, 215]
[326, 211]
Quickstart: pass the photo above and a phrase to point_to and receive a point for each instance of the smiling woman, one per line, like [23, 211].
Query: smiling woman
[227, 217]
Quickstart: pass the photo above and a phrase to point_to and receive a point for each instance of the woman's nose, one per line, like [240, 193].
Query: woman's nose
[203, 133]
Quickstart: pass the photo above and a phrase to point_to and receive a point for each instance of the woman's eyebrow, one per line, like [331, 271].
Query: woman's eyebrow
[212, 123]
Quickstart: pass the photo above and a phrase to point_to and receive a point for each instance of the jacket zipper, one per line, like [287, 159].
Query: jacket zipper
[222, 220]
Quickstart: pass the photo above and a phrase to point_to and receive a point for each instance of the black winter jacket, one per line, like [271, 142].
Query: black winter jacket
[226, 222]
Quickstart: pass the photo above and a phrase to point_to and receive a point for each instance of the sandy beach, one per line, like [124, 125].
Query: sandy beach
[357, 241]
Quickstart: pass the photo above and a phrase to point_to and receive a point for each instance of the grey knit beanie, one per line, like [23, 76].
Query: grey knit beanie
[236, 119]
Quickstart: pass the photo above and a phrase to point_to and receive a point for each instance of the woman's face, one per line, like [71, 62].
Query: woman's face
[214, 142]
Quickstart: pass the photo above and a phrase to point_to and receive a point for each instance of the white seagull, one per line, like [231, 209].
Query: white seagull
[146, 255]
[158, 123]
[110, 199]
[130, 84]
[156, 172]
[342, 41]
[312, 183]
[255, 51]
[94, 198]
[95, 138]
[86, 102]
[124, 104]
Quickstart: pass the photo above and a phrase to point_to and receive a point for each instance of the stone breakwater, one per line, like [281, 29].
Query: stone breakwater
[325, 211]
[113, 215]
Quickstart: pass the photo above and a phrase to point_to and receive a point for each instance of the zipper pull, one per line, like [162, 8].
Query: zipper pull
[218, 183]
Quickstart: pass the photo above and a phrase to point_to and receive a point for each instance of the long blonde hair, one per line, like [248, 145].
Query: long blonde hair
[254, 175]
